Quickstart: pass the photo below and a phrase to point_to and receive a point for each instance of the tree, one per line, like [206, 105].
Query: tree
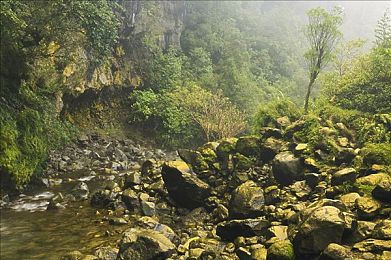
[383, 30]
[322, 33]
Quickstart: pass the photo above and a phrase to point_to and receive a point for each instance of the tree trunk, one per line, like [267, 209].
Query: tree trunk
[307, 96]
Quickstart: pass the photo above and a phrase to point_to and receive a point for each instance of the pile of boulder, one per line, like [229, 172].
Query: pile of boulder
[255, 197]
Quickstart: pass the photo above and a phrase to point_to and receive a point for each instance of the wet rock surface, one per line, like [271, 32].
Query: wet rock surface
[255, 197]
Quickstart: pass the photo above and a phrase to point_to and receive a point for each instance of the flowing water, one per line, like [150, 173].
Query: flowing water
[29, 231]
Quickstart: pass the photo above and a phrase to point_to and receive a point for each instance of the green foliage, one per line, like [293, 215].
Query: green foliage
[383, 30]
[268, 113]
[322, 34]
[376, 154]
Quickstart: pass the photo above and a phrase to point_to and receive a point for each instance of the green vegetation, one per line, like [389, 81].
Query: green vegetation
[34, 53]
[235, 67]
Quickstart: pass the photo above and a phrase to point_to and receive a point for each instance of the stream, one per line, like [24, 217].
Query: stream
[29, 231]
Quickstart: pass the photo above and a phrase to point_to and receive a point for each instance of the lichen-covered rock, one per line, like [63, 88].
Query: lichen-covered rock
[224, 150]
[247, 200]
[335, 252]
[373, 245]
[361, 230]
[140, 244]
[183, 186]
[194, 159]
[316, 228]
[242, 163]
[269, 148]
[106, 253]
[382, 230]
[287, 168]
[281, 250]
[382, 191]
[367, 208]
[229, 230]
[248, 145]
[349, 199]
[342, 176]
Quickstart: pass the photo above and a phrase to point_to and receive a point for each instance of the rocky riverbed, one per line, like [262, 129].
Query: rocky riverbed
[265, 196]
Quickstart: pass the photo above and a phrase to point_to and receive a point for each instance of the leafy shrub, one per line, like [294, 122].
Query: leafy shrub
[268, 113]
[376, 154]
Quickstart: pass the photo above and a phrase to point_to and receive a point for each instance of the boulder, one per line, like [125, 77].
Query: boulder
[316, 228]
[335, 252]
[342, 176]
[281, 250]
[106, 253]
[248, 146]
[382, 190]
[247, 200]
[367, 208]
[183, 186]
[102, 199]
[373, 245]
[140, 244]
[287, 168]
[361, 230]
[193, 158]
[242, 163]
[269, 148]
[229, 230]
[382, 230]
[372, 179]
[349, 199]
[131, 200]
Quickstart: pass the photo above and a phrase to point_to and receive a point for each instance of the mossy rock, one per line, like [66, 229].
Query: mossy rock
[248, 145]
[281, 250]
[242, 163]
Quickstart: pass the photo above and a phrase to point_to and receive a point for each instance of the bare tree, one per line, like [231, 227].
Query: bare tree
[322, 33]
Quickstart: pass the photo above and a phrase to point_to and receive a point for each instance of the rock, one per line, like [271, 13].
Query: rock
[224, 149]
[279, 232]
[148, 208]
[349, 199]
[372, 179]
[283, 121]
[133, 178]
[80, 191]
[140, 244]
[117, 221]
[287, 168]
[147, 167]
[269, 148]
[342, 176]
[335, 252]
[74, 255]
[130, 198]
[373, 245]
[102, 199]
[382, 191]
[243, 253]
[367, 208]
[267, 132]
[382, 230]
[229, 230]
[258, 252]
[184, 187]
[281, 250]
[248, 146]
[221, 212]
[312, 179]
[193, 158]
[106, 253]
[272, 195]
[316, 228]
[361, 230]
[300, 188]
[247, 200]
[242, 163]
[301, 147]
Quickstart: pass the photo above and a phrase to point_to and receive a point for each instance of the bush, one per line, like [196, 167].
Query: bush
[267, 114]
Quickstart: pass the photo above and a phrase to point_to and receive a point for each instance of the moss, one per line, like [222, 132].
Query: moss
[376, 154]
[281, 250]
[242, 163]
